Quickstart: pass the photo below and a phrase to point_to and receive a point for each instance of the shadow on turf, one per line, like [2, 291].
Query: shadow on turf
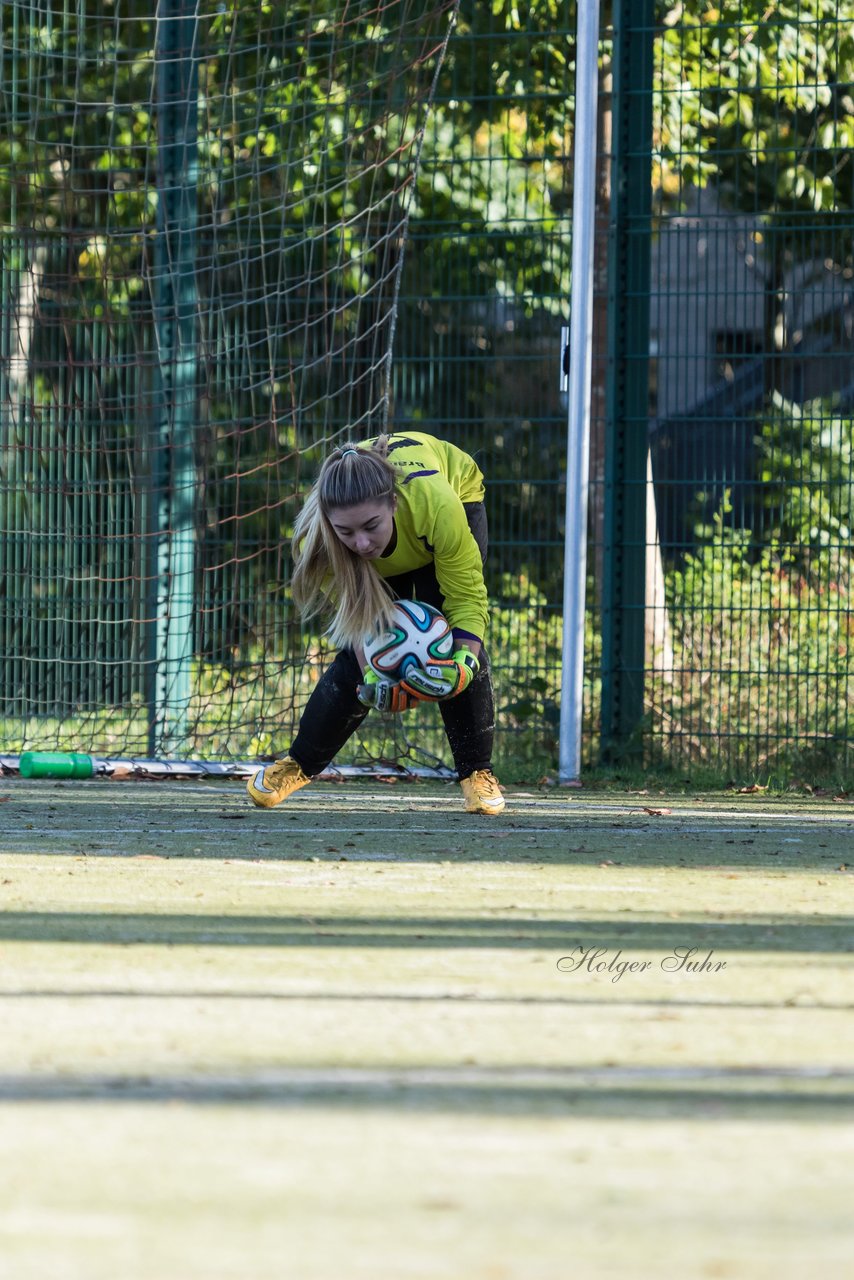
[95, 819]
[735, 1095]
[804, 1003]
[823, 934]
[478, 842]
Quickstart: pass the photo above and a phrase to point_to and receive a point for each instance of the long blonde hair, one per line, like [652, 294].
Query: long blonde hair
[327, 575]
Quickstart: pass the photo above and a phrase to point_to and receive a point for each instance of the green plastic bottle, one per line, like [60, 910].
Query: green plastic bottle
[56, 764]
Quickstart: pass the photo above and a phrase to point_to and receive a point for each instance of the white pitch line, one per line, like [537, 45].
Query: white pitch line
[461, 830]
[319, 832]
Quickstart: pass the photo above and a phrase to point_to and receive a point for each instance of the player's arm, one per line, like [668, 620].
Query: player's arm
[459, 568]
[459, 571]
[441, 523]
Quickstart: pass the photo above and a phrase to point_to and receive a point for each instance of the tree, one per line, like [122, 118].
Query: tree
[756, 101]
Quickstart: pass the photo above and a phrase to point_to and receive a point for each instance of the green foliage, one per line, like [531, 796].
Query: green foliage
[807, 477]
[756, 100]
[523, 624]
[763, 634]
[495, 171]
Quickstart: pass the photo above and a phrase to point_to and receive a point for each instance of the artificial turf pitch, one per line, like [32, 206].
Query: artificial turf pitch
[368, 1037]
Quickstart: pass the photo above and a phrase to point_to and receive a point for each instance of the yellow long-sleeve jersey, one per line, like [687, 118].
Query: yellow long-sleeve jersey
[436, 478]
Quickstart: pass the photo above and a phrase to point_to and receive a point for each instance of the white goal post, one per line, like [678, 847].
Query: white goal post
[578, 412]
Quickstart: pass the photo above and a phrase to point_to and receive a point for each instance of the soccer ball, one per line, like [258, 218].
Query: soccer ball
[419, 635]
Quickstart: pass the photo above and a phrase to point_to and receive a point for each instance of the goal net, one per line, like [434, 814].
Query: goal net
[202, 224]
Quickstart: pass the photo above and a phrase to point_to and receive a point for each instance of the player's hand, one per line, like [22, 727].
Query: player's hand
[383, 695]
[447, 677]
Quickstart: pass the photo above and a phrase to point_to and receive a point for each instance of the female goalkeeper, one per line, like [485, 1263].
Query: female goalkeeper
[397, 516]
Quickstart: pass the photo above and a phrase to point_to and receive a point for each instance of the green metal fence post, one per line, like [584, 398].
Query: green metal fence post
[173, 481]
[626, 436]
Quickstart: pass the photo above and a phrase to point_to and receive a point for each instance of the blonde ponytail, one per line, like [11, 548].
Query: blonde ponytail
[327, 575]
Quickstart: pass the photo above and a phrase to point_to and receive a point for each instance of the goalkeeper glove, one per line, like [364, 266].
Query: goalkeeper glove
[446, 678]
[383, 694]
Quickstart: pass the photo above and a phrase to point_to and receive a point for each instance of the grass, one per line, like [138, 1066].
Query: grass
[336, 1040]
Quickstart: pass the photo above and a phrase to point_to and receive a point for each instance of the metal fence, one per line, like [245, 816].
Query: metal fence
[721, 437]
[725, 619]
